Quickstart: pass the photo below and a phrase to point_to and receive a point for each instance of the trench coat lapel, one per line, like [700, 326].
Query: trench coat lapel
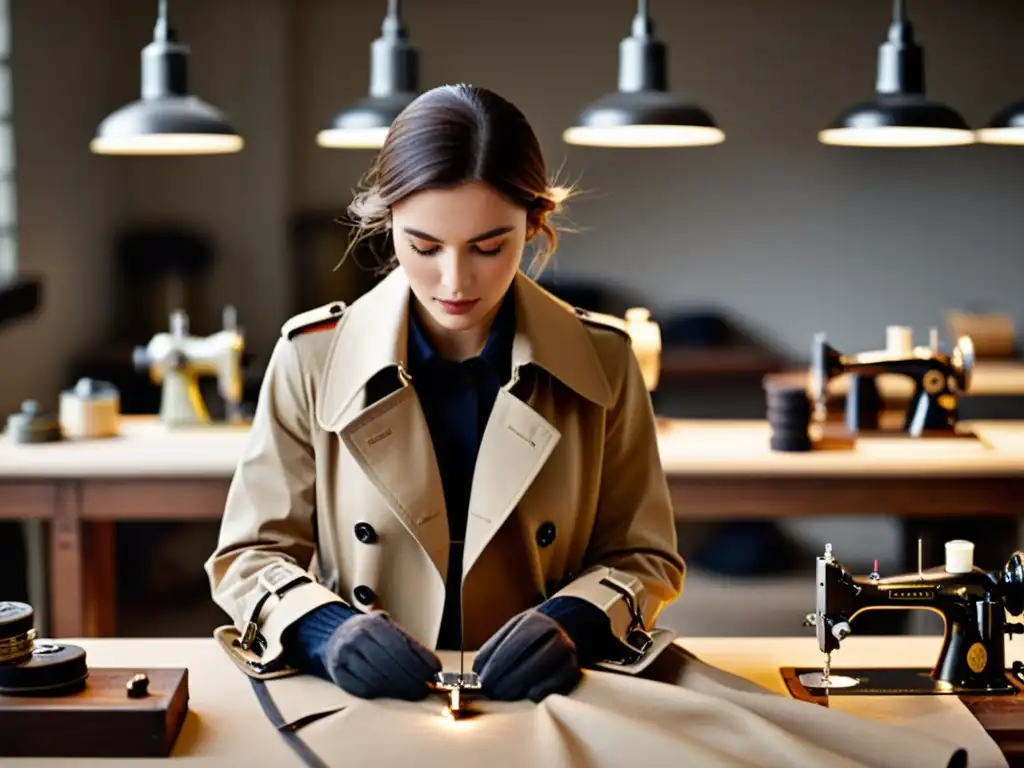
[518, 440]
[516, 443]
[389, 438]
[391, 443]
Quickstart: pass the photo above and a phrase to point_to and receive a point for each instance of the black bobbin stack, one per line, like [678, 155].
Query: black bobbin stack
[31, 667]
[789, 415]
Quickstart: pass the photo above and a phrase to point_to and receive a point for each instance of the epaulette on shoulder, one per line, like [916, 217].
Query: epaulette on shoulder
[322, 318]
[610, 322]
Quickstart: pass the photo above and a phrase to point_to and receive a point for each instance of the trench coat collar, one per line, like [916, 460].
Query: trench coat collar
[374, 334]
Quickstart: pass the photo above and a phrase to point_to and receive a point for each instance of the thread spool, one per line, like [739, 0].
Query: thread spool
[31, 425]
[789, 416]
[899, 340]
[90, 410]
[959, 556]
[32, 667]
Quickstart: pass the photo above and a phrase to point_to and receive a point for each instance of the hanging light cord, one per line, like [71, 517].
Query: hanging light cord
[643, 26]
[392, 27]
[163, 32]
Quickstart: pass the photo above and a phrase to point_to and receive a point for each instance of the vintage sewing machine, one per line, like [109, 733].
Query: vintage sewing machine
[939, 381]
[973, 604]
[47, 688]
[176, 360]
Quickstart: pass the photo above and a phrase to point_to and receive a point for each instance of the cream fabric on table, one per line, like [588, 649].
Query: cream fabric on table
[703, 718]
[929, 715]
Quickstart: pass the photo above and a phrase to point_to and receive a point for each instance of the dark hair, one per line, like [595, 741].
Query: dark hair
[454, 134]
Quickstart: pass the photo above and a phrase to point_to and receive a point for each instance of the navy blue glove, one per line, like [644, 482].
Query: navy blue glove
[530, 657]
[371, 657]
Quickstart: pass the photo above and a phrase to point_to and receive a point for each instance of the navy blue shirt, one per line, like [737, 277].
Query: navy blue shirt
[457, 399]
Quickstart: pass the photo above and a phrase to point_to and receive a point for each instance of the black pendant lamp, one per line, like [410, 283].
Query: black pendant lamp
[394, 83]
[167, 120]
[901, 115]
[1007, 127]
[642, 113]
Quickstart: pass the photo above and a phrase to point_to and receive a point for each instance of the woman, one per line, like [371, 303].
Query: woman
[458, 460]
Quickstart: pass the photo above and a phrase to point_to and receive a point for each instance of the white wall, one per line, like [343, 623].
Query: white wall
[68, 199]
[790, 235]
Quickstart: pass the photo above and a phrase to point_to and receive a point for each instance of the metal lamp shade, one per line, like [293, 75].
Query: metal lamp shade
[394, 84]
[167, 119]
[901, 115]
[365, 124]
[168, 125]
[1007, 127]
[643, 119]
[901, 120]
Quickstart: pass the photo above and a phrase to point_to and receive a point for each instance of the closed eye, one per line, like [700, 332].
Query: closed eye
[435, 248]
[425, 251]
[489, 251]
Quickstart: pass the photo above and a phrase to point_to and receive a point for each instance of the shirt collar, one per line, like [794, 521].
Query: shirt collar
[497, 351]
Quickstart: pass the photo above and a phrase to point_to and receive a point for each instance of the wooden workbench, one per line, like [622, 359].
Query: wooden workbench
[716, 470]
[225, 725]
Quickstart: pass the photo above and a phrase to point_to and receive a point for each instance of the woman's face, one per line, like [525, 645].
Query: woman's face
[460, 248]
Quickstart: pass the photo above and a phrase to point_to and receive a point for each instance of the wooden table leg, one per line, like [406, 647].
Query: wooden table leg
[34, 535]
[100, 585]
[67, 619]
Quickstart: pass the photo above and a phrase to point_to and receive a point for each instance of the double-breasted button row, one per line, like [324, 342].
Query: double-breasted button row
[546, 534]
[365, 533]
[365, 595]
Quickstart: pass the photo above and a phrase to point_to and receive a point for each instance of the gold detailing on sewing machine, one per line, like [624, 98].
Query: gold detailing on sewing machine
[933, 381]
[977, 657]
[13, 648]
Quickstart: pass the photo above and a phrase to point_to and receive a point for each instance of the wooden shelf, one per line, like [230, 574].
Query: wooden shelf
[739, 360]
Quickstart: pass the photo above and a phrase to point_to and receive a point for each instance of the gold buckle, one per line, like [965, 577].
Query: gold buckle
[248, 636]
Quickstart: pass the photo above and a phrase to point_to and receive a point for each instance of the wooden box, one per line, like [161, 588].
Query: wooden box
[100, 720]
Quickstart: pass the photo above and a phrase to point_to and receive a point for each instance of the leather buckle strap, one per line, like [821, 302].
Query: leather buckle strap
[637, 639]
[274, 587]
[636, 615]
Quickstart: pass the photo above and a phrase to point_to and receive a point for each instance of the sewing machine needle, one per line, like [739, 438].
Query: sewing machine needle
[827, 670]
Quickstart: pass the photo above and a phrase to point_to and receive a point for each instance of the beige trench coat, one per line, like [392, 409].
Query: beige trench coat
[340, 499]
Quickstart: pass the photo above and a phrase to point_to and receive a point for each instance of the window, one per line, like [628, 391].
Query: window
[8, 197]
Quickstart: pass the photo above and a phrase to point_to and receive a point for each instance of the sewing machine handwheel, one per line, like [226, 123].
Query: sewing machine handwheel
[1013, 583]
[963, 362]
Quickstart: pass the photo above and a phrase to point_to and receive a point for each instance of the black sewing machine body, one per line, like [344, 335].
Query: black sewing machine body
[939, 381]
[973, 606]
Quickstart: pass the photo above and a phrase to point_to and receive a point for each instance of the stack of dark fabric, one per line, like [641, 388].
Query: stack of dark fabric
[789, 415]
